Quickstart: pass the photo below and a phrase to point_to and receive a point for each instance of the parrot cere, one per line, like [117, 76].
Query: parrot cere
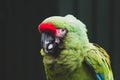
[67, 52]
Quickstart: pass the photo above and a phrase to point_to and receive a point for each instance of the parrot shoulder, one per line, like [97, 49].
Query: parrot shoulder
[98, 59]
[103, 52]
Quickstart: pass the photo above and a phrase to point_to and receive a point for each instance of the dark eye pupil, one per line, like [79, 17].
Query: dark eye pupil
[62, 30]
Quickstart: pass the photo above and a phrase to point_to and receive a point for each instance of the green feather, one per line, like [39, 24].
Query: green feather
[77, 50]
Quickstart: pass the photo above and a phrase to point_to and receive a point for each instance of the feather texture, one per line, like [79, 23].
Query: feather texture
[78, 58]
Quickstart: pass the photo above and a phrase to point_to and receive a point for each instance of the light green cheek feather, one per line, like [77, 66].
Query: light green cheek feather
[80, 59]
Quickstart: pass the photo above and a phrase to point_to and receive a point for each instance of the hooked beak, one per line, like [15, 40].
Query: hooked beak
[49, 43]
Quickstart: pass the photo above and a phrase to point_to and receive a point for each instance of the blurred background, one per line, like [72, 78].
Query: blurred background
[20, 40]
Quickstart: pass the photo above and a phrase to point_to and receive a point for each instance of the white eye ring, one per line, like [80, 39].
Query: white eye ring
[61, 32]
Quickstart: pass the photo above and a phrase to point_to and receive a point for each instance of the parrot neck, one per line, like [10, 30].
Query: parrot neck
[76, 42]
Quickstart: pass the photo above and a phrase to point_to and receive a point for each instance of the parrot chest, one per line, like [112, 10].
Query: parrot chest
[73, 70]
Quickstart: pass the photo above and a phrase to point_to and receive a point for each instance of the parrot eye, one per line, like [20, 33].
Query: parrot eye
[61, 32]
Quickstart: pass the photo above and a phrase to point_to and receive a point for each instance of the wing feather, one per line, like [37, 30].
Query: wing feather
[99, 60]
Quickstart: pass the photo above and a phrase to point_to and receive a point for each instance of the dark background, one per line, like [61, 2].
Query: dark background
[20, 40]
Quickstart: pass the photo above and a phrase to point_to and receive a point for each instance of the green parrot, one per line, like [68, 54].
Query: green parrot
[67, 52]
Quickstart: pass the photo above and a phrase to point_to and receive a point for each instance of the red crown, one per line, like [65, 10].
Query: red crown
[47, 27]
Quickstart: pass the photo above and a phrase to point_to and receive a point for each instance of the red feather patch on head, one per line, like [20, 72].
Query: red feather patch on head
[47, 27]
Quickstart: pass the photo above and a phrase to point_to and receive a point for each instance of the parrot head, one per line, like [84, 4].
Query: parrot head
[57, 32]
[51, 37]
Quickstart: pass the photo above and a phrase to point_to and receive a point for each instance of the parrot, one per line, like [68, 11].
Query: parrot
[67, 52]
